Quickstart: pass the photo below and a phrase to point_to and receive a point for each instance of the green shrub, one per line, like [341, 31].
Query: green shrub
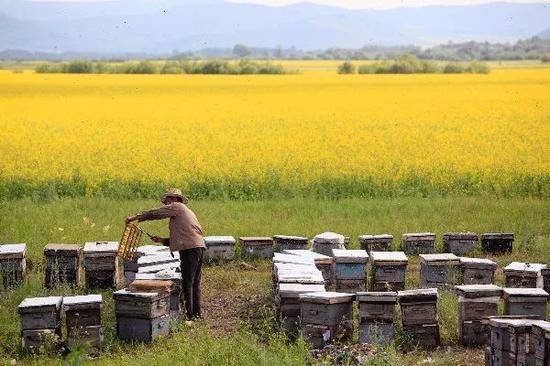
[171, 68]
[346, 68]
[476, 67]
[453, 68]
[78, 67]
[143, 67]
[545, 58]
[366, 69]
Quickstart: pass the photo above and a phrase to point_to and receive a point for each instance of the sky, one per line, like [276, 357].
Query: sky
[384, 4]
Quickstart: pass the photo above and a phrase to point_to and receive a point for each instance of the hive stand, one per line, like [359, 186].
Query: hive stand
[387, 271]
[83, 319]
[63, 264]
[13, 264]
[40, 321]
[418, 243]
[325, 242]
[326, 316]
[350, 269]
[440, 270]
[477, 271]
[322, 262]
[460, 243]
[476, 302]
[288, 242]
[518, 274]
[376, 316]
[101, 264]
[497, 243]
[176, 308]
[287, 301]
[419, 316]
[525, 301]
[219, 248]
[257, 247]
[376, 243]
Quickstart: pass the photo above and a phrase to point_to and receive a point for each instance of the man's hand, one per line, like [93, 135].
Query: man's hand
[157, 239]
[130, 219]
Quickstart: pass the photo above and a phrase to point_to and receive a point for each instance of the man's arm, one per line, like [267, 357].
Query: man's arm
[163, 241]
[154, 214]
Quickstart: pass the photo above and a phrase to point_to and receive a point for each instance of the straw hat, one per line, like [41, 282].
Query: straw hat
[174, 192]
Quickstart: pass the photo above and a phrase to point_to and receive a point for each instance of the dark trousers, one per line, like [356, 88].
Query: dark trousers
[191, 265]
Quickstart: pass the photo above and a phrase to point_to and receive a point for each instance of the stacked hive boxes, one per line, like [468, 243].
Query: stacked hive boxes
[151, 261]
[476, 302]
[326, 316]
[376, 243]
[63, 262]
[439, 270]
[540, 342]
[497, 242]
[257, 247]
[142, 316]
[525, 301]
[544, 279]
[13, 264]
[387, 271]
[40, 321]
[418, 243]
[376, 316]
[101, 264]
[287, 301]
[459, 243]
[324, 243]
[286, 242]
[419, 316]
[83, 318]
[175, 291]
[518, 274]
[219, 248]
[477, 271]
[322, 262]
[350, 268]
[510, 342]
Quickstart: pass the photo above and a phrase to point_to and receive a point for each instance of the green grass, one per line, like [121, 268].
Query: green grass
[240, 327]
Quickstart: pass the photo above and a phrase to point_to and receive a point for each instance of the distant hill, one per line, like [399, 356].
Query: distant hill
[140, 26]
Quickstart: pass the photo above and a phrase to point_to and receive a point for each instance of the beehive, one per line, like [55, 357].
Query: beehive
[377, 243]
[257, 247]
[540, 342]
[518, 274]
[326, 316]
[460, 243]
[387, 271]
[175, 292]
[142, 316]
[83, 319]
[63, 264]
[418, 243]
[419, 316]
[544, 279]
[219, 248]
[287, 301]
[322, 262]
[154, 262]
[13, 264]
[510, 342]
[295, 273]
[525, 301]
[475, 303]
[439, 270]
[287, 242]
[325, 242]
[376, 316]
[40, 320]
[497, 242]
[477, 271]
[350, 269]
[101, 264]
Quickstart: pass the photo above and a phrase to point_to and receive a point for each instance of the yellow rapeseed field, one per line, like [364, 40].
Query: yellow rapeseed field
[275, 135]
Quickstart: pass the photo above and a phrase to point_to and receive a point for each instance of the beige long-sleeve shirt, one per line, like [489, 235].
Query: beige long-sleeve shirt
[185, 230]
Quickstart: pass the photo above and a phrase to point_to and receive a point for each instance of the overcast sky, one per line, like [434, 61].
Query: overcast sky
[384, 3]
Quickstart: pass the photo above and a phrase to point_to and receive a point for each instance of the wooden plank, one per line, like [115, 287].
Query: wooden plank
[327, 297]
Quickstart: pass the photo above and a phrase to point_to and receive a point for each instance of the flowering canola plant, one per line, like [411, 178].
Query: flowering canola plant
[314, 133]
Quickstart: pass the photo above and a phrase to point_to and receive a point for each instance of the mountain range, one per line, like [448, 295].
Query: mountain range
[166, 25]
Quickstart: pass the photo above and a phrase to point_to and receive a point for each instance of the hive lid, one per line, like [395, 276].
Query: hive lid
[158, 276]
[306, 253]
[125, 293]
[327, 297]
[389, 296]
[13, 251]
[544, 326]
[477, 262]
[419, 236]
[150, 249]
[158, 258]
[461, 236]
[498, 236]
[329, 238]
[290, 238]
[82, 299]
[380, 237]
[69, 250]
[219, 240]
[531, 268]
[290, 258]
[515, 325]
[477, 291]
[256, 240]
[524, 292]
[159, 267]
[101, 247]
[418, 295]
[40, 302]
[390, 257]
[293, 290]
[446, 258]
[350, 255]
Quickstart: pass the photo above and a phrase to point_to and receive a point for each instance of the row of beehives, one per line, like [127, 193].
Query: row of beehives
[304, 304]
